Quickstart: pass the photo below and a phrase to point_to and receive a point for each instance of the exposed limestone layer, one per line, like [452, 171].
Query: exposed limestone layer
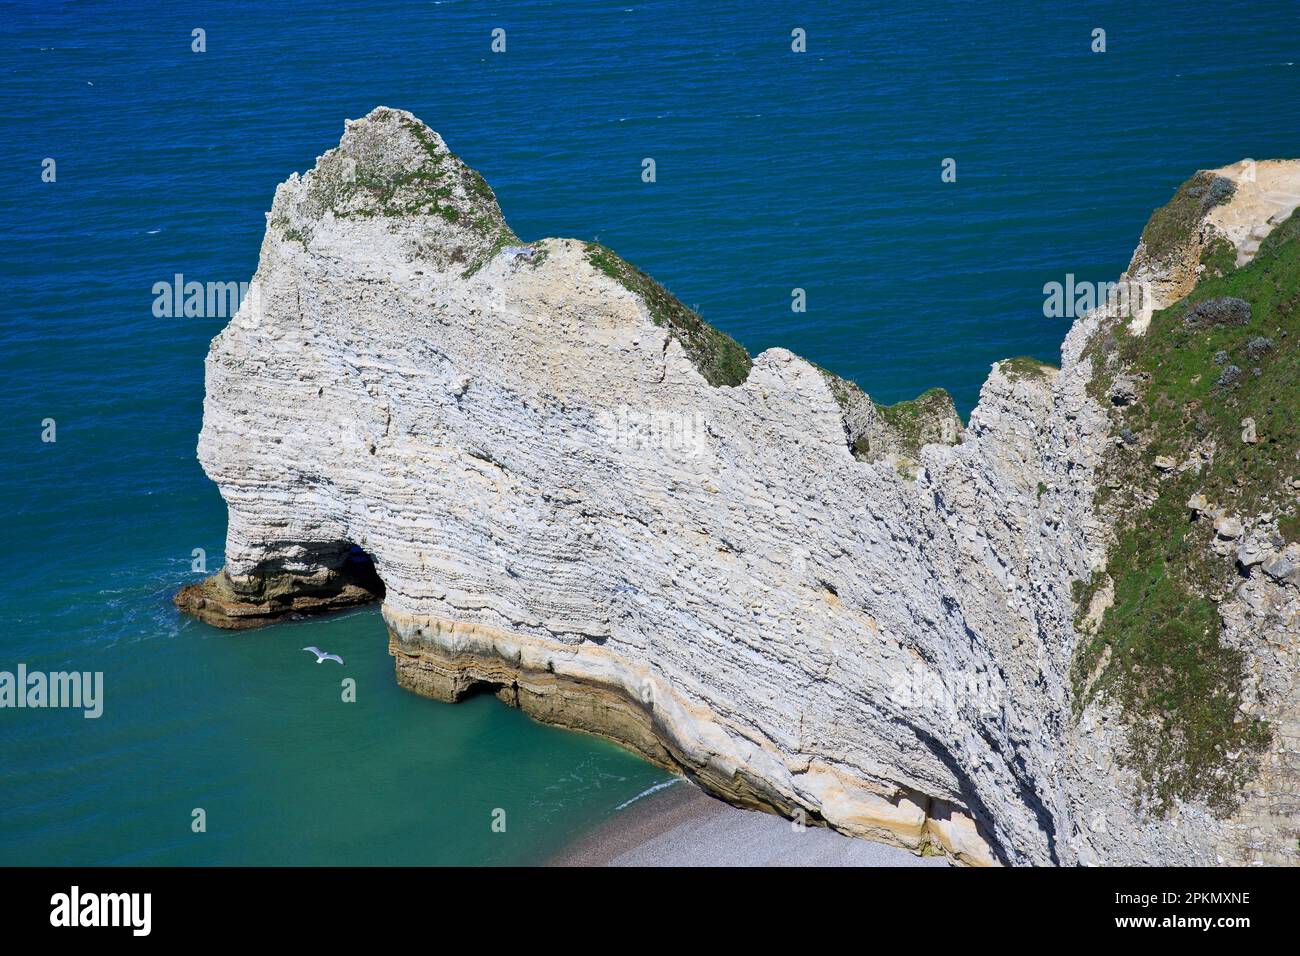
[582, 500]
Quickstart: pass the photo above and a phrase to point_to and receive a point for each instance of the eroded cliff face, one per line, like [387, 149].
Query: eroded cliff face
[581, 497]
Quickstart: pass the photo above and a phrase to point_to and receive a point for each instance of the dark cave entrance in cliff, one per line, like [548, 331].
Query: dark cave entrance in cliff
[358, 569]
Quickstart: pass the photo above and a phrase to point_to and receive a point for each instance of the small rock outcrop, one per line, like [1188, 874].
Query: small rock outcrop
[572, 492]
[322, 583]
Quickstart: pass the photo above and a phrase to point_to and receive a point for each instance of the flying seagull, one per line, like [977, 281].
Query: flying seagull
[321, 656]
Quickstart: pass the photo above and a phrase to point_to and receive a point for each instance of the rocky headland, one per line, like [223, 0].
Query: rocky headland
[1064, 632]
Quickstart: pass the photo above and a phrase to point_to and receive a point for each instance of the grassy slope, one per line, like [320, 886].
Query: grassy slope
[1178, 684]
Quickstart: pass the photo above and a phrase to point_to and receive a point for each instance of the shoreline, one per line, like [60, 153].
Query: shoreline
[681, 825]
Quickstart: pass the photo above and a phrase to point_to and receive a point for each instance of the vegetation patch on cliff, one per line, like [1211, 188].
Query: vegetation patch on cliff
[929, 419]
[1175, 222]
[1023, 367]
[1199, 407]
[847, 394]
[874, 431]
[1219, 257]
[720, 358]
[394, 168]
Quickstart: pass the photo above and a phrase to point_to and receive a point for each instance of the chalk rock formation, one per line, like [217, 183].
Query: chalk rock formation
[579, 496]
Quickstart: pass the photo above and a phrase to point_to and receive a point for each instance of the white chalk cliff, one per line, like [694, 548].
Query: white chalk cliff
[578, 499]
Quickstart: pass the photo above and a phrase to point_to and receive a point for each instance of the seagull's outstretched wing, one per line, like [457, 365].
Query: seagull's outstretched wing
[331, 657]
[317, 651]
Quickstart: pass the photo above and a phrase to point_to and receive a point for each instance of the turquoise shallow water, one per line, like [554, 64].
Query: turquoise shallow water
[775, 170]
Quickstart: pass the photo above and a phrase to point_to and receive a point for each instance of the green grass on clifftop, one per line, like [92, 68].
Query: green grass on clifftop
[1024, 367]
[1158, 650]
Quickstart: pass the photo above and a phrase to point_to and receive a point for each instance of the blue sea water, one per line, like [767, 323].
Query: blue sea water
[775, 170]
